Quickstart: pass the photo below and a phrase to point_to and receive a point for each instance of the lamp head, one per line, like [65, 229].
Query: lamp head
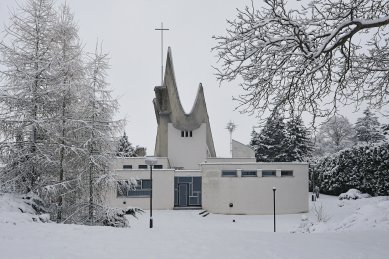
[151, 161]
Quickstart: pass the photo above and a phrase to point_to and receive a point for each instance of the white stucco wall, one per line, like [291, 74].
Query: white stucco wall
[163, 189]
[254, 195]
[187, 152]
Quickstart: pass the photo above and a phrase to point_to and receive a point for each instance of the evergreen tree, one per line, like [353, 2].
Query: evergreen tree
[299, 145]
[368, 128]
[270, 145]
[125, 148]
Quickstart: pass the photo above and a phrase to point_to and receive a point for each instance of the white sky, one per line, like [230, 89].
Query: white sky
[126, 28]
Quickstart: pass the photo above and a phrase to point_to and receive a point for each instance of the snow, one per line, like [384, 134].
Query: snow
[186, 234]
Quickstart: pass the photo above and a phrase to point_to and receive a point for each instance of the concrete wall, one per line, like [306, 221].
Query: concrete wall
[241, 150]
[136, 161]
[163, 190]
[187, 152]
[254, 195]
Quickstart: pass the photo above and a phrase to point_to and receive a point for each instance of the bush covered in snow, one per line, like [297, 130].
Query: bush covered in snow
[353, 194]
[115, 217]
[365, 168]
[15, 208]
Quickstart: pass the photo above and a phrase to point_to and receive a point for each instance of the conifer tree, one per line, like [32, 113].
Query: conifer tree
[100, 128]
[27, 56]
[299, 145]
[70, 78]
[270, 144]
[368, 128]
[125, 148]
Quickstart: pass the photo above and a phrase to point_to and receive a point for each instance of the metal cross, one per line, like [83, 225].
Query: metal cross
[161, 29]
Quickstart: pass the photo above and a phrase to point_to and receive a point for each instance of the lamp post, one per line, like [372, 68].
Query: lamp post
[150, 161]
[274, 207]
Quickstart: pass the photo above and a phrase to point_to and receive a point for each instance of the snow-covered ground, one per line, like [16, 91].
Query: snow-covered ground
[353, 229]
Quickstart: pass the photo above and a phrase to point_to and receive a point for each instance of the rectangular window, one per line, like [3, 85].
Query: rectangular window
[142, 189]
[182, 134]
[142, 166]
[267, 173]
[190, 134]
[158, 166]
[186, 133]
[127, 166]
[229, 173]
[249, 173]
[285, 173]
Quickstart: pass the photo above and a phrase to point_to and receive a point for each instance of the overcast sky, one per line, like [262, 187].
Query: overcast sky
[126, 28]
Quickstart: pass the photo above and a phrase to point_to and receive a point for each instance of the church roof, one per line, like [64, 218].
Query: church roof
[167, 103]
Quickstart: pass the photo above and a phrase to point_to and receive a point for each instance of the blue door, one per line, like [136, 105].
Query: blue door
[183, 196]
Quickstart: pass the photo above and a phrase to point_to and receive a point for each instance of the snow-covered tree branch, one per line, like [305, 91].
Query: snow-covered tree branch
[310, 58]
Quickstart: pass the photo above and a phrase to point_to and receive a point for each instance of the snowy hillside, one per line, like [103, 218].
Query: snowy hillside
[352, 229]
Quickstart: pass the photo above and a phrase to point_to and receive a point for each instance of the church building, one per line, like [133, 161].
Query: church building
[188, 174]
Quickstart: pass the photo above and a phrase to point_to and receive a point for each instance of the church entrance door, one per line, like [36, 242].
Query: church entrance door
[183, 196]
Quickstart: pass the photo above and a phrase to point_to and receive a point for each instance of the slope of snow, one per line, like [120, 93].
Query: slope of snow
[18, 208]
[185, 234]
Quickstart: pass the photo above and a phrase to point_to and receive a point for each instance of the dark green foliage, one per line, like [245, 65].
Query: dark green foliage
[280, 142]
[270, 144]
[299, 145]
[365, 168]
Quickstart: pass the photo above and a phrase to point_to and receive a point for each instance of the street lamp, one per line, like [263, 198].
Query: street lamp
[150, 161]
[274, 207]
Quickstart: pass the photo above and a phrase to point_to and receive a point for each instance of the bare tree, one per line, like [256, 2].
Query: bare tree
[98, 111]
[334, 135]
[312, 58]
[27, 55]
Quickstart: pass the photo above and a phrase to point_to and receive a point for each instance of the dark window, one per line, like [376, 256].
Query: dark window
[286, 173]
[142, 166]
[267, 173]
[249, 173]
[186, 133]
[127, 166]
[190, 134]
[142, 189]
[229, 173]
[146, 184]
[158, 166]
[182, 133]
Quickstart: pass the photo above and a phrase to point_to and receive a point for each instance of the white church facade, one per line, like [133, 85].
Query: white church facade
[189, 175]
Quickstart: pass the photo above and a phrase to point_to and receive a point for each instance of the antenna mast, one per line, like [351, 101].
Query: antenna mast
[231, 127]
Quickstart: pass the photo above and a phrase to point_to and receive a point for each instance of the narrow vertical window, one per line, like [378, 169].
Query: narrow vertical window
[182, 133]
[190, 133]
[186, 133]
